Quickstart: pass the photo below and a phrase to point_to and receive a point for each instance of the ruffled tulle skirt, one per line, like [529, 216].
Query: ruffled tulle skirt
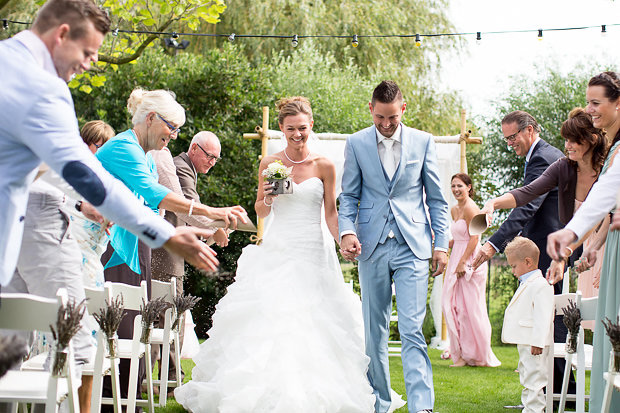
[287, 337]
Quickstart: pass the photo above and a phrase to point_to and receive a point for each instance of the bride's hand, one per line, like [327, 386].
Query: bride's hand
[267, 189]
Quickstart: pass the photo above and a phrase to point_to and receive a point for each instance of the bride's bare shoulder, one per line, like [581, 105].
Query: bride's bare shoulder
[271, 158]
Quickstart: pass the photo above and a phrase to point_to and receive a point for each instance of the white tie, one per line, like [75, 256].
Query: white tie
[388, 157]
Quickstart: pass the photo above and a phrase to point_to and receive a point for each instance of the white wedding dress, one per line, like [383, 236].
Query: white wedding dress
[287, 337]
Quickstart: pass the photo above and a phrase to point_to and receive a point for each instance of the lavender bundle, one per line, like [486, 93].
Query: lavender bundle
[12, 350]
[150, 313]
[572, 321]
[613, 331]
[67, 325]
[109, 319]
[182, 303]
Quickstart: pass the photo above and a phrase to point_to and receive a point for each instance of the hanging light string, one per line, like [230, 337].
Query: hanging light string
[296, 37]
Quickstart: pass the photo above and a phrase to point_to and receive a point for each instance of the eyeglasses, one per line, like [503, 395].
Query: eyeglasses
[173, 130]
[98, 146]
[210, 157]
[512, 138]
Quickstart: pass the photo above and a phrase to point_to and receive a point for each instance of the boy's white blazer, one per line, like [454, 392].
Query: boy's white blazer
[529, 316]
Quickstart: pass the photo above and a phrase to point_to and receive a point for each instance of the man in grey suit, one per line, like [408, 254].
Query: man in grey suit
[180, 174]
[390, 175]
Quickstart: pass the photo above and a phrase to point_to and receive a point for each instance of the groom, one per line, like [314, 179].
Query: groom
[390, 174]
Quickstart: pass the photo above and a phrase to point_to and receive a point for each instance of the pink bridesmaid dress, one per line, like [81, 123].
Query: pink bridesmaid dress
[464, 306]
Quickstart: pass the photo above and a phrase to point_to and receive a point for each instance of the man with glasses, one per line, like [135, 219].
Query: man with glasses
[180, 174]
[535, 220]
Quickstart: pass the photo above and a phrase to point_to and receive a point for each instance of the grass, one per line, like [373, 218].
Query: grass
[465, 389]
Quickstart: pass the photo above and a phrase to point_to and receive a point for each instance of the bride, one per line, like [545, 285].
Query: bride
[287, 337]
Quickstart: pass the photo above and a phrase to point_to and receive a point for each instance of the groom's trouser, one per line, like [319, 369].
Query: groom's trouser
[395, 261]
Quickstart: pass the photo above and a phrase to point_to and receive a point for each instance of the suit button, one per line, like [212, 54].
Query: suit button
[385, 216]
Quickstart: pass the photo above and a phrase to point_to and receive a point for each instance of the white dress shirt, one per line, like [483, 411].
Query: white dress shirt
[396, 147]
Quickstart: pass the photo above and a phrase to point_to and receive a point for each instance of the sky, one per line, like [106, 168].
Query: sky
[481, 74]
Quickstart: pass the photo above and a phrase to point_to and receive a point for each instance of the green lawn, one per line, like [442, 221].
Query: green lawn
[465, 389]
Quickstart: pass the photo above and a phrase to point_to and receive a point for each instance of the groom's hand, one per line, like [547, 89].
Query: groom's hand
[350, 247]
[440, 259]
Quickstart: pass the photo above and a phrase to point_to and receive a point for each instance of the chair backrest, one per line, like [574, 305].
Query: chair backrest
[132, 295]
[167, 290]
[29, 312]
[587, 306]
[562, 300]
[96, 298]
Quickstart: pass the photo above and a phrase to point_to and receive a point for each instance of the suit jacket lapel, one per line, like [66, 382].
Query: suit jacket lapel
[373, 156]
[185, 157]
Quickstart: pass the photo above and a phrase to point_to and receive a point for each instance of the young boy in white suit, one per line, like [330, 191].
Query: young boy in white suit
[528, 321]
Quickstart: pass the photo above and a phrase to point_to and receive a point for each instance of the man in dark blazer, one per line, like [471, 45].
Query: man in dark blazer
[535, 220]
[180, 174]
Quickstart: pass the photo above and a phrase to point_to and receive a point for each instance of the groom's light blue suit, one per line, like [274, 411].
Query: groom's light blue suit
[391, 223]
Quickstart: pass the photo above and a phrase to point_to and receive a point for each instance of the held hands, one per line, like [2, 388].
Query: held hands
[486, 253]
[185, 242]
[555, 272]
[558, 241]
[350, 247]
[439, 261]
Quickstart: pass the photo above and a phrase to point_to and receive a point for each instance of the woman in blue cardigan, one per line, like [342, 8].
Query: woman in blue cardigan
[156, 118]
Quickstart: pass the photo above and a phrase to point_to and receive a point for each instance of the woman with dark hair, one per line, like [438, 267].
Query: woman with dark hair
[462, 299]
[585, 146]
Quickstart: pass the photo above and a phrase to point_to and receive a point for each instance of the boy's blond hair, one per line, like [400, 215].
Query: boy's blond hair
[522, 248]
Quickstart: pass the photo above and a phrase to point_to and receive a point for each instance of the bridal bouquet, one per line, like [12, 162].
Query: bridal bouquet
[279, 176]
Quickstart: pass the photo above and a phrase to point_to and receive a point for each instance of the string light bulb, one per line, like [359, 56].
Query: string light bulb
[115, 32]
[5, 24]
[355, 42]
[418, 42]
[231, 37]
[175, 35]
[604, 30]
[295, 41]
[478, 38]
[540, 35]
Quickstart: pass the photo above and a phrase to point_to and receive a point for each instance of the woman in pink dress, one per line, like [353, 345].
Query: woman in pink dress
[463, 295]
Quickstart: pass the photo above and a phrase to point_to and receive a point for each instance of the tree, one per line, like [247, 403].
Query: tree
[396, 58]
[135, 24]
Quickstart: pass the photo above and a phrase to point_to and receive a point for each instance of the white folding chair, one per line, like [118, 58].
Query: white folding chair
[102, 365]
[612, 382]
[165, 336]
[583, 362]
[28, 312]
[133, 348]
[558, 351]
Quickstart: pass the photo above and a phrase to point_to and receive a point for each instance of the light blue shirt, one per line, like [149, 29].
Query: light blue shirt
[125, 159]
[524, 277]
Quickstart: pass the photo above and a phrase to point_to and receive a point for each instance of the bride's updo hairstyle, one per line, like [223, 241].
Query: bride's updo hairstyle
[293, 106]
[163, 102]
[579, 128]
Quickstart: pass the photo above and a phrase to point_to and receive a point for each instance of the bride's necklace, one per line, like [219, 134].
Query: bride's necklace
[302, 161]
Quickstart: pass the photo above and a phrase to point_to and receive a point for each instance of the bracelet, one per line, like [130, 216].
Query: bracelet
[570, 251]
[266, 204]
[191, 207]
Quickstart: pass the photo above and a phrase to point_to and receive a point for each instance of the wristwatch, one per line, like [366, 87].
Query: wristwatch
[78, 206]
